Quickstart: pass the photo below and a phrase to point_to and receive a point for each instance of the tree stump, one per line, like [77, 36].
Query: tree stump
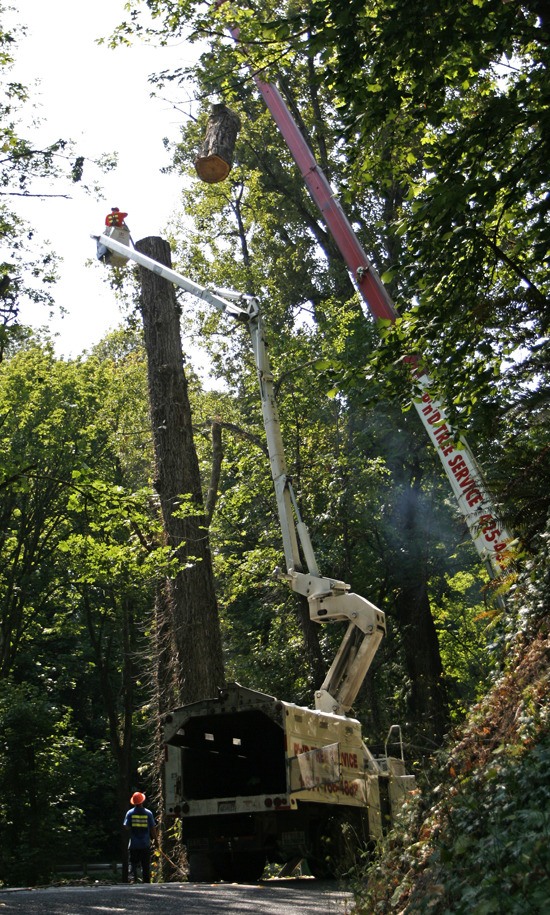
[215, 160]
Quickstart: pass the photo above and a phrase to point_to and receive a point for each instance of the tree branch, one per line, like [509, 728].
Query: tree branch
[217, 458]
[537, 294]
[28, 194]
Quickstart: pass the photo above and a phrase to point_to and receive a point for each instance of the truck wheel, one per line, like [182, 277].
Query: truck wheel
[201, 868]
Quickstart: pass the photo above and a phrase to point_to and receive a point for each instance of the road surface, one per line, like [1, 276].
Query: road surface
[274, 897]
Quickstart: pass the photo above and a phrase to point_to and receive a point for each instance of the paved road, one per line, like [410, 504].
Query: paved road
[274, 897]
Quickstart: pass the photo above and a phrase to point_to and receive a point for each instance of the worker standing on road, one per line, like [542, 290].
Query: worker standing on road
[141, 825]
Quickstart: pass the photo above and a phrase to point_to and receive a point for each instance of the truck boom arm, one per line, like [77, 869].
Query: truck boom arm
[329, 600]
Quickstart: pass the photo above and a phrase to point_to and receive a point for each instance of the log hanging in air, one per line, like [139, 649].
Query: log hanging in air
[216, 156]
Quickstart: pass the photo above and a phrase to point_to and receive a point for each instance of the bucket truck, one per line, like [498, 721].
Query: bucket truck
[255, 779]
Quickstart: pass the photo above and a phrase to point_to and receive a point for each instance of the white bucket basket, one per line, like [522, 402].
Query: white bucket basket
[111, 258]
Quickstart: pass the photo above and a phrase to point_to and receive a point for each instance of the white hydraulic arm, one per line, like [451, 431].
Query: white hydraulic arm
[328, 599]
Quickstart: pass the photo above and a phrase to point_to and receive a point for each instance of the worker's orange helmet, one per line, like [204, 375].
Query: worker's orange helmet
[137, 798]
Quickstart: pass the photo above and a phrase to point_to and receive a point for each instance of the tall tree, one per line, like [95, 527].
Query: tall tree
[191, 601]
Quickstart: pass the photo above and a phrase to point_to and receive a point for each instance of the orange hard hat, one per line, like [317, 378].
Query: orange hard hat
[137, 798]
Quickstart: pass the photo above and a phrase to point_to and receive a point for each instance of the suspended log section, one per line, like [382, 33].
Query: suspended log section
[215, 160]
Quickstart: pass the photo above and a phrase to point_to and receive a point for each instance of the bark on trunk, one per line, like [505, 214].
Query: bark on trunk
[190, 596]
[215, 160]
[427, 698]
[427, 703]
[170, 863]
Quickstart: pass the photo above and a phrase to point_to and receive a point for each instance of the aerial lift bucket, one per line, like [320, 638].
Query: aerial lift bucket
[112, 258]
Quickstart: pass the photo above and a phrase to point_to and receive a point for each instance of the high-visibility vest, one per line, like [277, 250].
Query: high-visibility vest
[139, 821]
[115, 219]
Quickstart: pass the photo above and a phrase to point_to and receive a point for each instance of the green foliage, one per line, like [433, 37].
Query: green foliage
[45, 775]
[451, 125]
[475, 836]
[498, 849]
[484, 851]
[444, 173]
[80, 555]
[441, 171]
[364, 481]
[464, 629]
[62, 486]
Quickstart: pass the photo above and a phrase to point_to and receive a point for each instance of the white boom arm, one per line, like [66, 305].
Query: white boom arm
[329, 600]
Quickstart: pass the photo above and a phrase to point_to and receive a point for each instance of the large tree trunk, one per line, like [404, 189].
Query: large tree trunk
[188, 641]
[171, 863]
[190, 597]
[427, 702]
[427, 698]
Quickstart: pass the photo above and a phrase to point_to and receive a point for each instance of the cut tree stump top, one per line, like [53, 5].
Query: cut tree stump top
[212, 169]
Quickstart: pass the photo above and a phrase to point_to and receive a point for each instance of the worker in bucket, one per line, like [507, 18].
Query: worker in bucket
[115, 228]
[140, 823]
[115, 218]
